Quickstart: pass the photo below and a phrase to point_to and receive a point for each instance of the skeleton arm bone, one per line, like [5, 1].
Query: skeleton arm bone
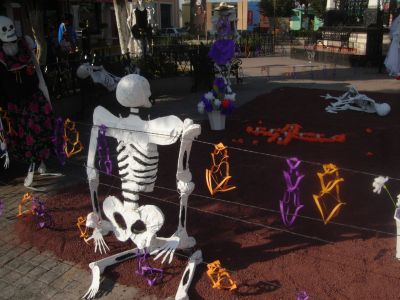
[180, 238]
[101, 116]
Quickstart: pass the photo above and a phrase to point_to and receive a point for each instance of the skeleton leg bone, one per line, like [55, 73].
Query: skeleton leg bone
[99, 266]
[194, 260]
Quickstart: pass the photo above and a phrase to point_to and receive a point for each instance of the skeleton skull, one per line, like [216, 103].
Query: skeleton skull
[84, 71]
[133, 91]
[382, 109]
[7, 30]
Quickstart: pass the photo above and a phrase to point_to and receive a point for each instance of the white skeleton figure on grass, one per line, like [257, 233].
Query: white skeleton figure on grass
[353, 100]
[137, 166]
[101, 76]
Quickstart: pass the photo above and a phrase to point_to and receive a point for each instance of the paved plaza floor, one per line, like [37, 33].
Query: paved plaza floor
[25, 273]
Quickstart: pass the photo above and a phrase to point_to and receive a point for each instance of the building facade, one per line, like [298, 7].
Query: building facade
[99, 14]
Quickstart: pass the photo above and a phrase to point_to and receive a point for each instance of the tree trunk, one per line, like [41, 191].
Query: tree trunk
[35, 14]
[121, 16]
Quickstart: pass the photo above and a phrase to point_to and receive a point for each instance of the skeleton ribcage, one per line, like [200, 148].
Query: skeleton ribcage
[137, 167]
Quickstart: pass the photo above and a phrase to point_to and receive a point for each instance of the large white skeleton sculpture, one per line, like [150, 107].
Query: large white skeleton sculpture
[353, 100]
[137, 165]
[141, 21]
[9, 39]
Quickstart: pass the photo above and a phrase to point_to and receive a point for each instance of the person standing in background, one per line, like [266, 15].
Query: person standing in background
[67, 26]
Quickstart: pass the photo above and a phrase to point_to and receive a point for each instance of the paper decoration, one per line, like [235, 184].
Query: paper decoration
[84, 234]
[58, 140]
[2, 206]
[217, 176]
[290, 204]
[43, 218]
[103, 151]
[73, 145]
[330, 192]
[25, 203]
[153, 276]
[30, 205]
[302, 295]
[219, 276]
[284, 135]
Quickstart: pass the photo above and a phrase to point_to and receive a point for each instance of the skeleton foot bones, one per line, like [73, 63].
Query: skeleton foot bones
[137, 165]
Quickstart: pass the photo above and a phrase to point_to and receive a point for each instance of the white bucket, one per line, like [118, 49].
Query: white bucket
[217, 120]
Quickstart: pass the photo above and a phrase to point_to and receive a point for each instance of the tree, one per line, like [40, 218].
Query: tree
[121, 16]
[277, 8]
[35, 14]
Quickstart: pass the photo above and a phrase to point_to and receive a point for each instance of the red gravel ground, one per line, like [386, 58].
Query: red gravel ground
[267, 263]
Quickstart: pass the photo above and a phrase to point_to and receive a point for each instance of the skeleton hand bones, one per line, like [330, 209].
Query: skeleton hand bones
[101, 228]
[6, 161]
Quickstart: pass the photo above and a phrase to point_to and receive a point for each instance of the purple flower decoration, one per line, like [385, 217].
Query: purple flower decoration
[227, 107]
[222, 51]
[224, 27]
[207, 104]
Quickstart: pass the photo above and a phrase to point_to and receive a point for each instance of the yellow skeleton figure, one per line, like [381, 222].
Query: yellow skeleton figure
[217, 176]
[219, 277]
[69, 127]
[328, 200]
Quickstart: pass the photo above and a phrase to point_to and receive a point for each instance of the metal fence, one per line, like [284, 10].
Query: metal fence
[170, 56]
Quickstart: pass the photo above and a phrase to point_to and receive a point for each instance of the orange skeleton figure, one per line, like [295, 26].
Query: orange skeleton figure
[69, 126]
[220, 278]
[215, 175]
[284, 135]
[326, 193]
[84, 233]
[25, 201]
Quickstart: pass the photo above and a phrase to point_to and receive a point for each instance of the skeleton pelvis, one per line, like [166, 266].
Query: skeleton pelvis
[138, 224]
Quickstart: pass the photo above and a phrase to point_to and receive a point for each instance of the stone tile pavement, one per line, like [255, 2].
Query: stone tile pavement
[27, 274]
